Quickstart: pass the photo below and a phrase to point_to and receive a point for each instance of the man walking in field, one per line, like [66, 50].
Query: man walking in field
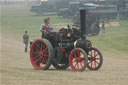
[26, 40]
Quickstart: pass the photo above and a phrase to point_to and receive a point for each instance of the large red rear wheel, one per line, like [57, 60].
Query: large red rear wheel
[95, 59]
[78, 59]
[41, 54]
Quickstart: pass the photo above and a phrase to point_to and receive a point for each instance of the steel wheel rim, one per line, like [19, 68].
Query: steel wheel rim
[77, 60]
[39, 55]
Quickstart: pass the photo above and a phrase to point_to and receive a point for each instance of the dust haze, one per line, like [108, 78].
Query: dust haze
[106, 28]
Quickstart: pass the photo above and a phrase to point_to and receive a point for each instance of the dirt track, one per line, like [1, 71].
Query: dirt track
[17, 69]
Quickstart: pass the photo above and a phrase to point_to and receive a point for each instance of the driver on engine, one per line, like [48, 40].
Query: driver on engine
[46, 27]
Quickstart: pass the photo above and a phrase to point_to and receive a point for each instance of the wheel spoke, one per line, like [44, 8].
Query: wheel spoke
[38, 46]
[74, 61]
[44, 46]
[45, 54]
[37, 49]
[97, 58]
[81, 65]
[97, 62]
[36, 57]
[75, 55]
[78, 54]
[83, 62]
[78, 65]
[76, 58]
[89, 62]
[75, 65]
[82, 58]
[41, 47]
[43, 60]
[96, 54]
[34, 52]
[91, 54]
[37, 60]
[44, 50]
[46, 59]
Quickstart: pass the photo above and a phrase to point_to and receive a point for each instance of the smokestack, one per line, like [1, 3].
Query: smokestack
[83, 23]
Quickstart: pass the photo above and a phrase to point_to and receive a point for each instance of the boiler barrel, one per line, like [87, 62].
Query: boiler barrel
[85, 44]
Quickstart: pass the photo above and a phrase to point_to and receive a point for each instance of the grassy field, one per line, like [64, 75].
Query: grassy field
[16, 68]
[115, 38]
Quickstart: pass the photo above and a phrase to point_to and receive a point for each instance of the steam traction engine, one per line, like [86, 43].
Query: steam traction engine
[66, 47]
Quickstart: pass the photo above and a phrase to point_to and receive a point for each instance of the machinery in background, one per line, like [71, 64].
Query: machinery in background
[42, 8]
[122, 6]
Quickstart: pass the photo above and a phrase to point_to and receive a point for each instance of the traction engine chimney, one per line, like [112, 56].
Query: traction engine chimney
[83, 23]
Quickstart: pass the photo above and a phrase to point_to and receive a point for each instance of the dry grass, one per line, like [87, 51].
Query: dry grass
[17, 70]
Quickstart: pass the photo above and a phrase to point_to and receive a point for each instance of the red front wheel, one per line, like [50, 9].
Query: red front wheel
[78, 59]
[95, 59]
[41, 54]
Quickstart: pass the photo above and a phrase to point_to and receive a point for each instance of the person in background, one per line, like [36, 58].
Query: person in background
[26, 40]
[103, 27]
